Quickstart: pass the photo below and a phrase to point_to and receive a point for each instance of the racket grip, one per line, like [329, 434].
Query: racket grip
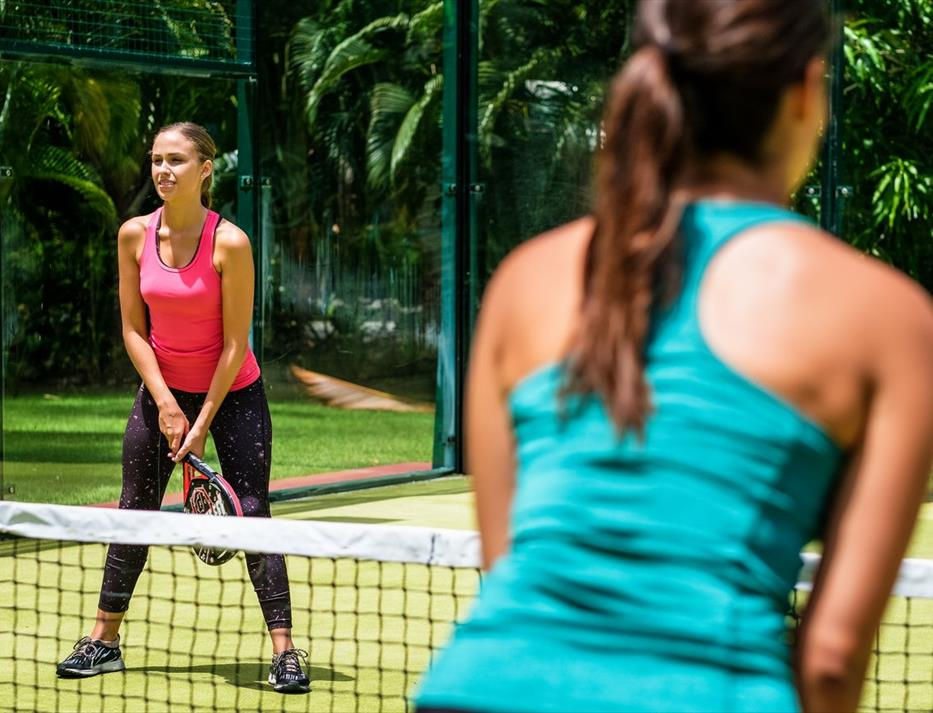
[192, 459]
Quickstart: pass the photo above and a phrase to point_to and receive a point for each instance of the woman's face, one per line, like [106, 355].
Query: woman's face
[177, 170]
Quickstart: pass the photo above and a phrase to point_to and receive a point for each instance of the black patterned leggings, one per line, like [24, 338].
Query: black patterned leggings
[242, 433]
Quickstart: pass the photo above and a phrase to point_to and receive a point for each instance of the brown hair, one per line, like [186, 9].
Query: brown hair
[706, 77]
[205, 146]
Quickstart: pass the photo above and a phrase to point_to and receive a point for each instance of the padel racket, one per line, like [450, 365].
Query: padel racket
[207, 493]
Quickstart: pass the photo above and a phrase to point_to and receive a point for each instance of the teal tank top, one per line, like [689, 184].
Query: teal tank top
[652, 575]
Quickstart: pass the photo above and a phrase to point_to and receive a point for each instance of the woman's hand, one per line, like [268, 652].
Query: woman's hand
[173, 424]
[193, 443]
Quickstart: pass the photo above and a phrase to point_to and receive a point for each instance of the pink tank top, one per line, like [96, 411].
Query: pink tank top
[186, 314]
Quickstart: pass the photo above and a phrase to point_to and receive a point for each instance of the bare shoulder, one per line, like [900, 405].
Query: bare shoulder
[557, 254]
[861, 284]
[131, 236]
[133, 229]
[232, 250]
[850, 294]
[229, 237]
[532, 301]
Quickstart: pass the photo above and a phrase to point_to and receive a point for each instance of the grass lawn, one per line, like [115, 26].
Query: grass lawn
[67, 449]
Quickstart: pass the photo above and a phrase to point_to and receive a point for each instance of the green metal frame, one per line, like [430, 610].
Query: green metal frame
[460, 197]
[116, 59]
[248, 208]
[833, 193]
[135, 35]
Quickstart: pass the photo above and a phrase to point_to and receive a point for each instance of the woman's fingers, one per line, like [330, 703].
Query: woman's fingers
[175, 434]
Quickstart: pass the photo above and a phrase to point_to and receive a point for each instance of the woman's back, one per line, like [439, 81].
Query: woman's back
[681, 546]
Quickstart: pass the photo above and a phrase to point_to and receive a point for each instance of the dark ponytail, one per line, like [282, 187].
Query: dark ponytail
[633, 250]
[706, 79]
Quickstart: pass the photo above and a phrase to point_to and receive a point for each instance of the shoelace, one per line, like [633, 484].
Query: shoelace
[288, 660]
[87, 646]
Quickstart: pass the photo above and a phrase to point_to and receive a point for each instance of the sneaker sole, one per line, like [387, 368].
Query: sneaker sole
[289, 687]
[109, 667]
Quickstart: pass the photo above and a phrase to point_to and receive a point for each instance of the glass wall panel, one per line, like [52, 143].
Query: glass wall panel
[542, 74]
[349, 115]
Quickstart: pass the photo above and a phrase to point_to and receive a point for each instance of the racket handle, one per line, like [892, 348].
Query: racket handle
[199, 464]
[186, 471]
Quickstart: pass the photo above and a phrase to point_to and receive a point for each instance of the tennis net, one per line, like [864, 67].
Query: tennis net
[369, 602]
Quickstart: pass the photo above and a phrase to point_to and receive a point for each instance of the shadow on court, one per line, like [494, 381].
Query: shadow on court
[244, 675]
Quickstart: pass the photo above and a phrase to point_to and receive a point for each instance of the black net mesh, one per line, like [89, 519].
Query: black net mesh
[150, 30]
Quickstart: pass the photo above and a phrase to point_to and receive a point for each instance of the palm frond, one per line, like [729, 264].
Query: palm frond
[308, 49]
[902, 192]
[51, 163]
[353, 52]
[427, 23]
[511, 82]
[412, 121]
[919, 95]
[388, 104]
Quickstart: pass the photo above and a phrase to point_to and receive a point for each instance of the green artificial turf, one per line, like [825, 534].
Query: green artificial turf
[194, 638]
[67, 449]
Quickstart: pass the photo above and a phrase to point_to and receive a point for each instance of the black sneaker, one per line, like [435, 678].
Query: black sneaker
[91, 657]
[286, 675]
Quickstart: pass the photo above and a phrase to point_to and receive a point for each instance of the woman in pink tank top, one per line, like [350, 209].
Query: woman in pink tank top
[192, 273]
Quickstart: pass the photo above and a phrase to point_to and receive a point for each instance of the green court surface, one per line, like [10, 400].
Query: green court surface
[369, 626]
[206, 648]
[439, 503]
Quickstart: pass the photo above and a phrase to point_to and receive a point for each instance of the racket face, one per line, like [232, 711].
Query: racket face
[207, 493]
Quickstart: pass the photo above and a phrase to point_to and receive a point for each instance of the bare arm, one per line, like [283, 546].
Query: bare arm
[489, 443]
[172, 421]
[875, 511]
[235, 259]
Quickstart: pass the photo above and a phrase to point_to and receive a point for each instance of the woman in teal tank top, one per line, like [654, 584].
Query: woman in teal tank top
[718, 384]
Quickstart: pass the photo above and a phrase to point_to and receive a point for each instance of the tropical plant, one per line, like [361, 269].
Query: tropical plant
[350, 114]
[66, 135]
[888, 132]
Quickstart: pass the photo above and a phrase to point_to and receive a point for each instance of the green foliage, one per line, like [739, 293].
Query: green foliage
[888, 132]
[355, 204]
[59, 214]
[350, 132]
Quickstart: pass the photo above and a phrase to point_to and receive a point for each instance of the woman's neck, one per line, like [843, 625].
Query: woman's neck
[729, 178]
[183, 218]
